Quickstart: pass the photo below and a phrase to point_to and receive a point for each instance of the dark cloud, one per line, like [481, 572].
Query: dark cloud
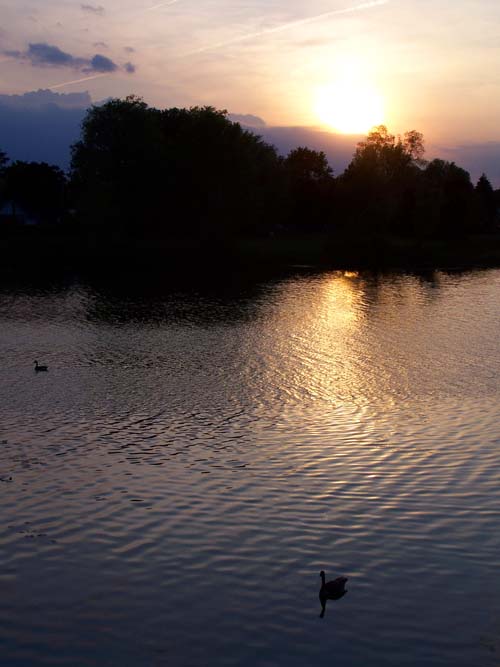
[101, 64]
[13, 54]
[43, 98]
[42, 54]
[93, 9]
[41, 125]
[47, 55]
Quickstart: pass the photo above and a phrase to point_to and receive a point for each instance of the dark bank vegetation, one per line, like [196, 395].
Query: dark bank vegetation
[188, 185]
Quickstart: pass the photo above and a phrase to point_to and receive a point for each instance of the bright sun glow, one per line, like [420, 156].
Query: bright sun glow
[349, 106]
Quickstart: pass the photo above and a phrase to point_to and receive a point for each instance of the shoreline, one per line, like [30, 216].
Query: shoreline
[55, 253]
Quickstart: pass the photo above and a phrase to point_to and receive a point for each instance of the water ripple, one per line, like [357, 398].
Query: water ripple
[192, 461]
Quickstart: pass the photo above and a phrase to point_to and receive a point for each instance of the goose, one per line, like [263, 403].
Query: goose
[40, 368]
[331, 590]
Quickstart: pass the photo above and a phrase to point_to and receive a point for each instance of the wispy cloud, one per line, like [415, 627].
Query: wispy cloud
[160, 5]
[287, 26]
[98, 10]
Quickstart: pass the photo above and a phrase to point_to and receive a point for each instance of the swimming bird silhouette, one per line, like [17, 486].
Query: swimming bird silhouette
[39, 368]
[331, 590]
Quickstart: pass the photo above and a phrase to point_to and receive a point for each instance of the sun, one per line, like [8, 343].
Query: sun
[349, 106]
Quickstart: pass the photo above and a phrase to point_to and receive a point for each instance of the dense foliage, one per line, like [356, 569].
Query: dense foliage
[35, 188]
[38, 188]
[4, 160]
[310, 189]
[172, 173]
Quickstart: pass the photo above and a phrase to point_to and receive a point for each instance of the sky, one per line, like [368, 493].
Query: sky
[338, 65]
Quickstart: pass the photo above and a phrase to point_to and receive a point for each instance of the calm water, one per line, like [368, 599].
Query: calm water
[171, 489]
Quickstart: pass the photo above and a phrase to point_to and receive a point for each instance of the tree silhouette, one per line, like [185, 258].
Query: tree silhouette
[177, 172]
[304, 164]
[223, 178]
[487, 203]
[379, 187]
[386, 155]
[4, 160]
[37, 187]
[450, 203]
[114, 165]
[311, 188]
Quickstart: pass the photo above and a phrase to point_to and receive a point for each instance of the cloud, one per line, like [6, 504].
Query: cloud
[160, 5]
[102, 64]
[93, 9]
[247, 119]
[53, 119]
[42, 54]
[101, 45]
[129, 49]
[42, 98]
[47, 55]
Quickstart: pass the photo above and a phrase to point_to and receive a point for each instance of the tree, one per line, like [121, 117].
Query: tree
[486, 203]
[310, 184]
[4, 160]
[177, 172]
[37, 187]
[380, 184]
[114, 165]
[385, 155]
[306, 165]
[225, 180]
[449, 195]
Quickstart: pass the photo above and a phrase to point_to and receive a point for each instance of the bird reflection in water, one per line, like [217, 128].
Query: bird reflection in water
[331, 590]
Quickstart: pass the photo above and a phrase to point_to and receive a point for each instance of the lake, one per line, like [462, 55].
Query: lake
[172, 487]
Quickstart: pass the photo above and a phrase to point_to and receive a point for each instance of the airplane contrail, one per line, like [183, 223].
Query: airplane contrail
[287, 26]
[160, 5]
[87, 78]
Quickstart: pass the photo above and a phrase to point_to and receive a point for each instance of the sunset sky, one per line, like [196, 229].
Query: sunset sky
[432, 65]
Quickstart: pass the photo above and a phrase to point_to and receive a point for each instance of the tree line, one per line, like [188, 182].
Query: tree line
[191, 173]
